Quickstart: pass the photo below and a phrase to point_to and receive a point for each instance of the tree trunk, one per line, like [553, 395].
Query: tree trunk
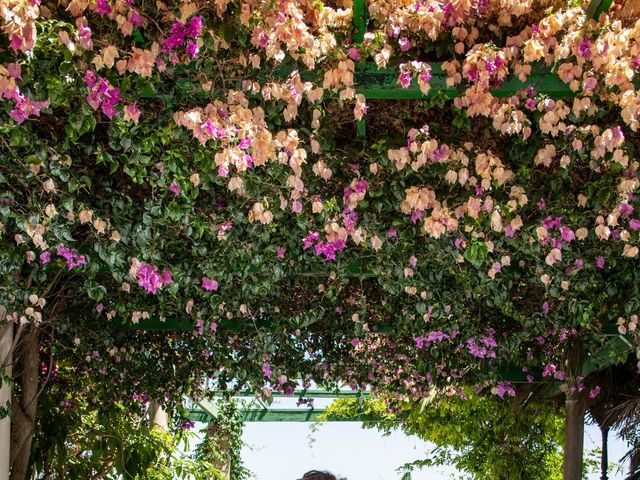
[6, 341]
[24, 411]
[573, 438]
[604, 458]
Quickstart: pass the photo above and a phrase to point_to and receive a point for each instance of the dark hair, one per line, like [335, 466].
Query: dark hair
[318, 475]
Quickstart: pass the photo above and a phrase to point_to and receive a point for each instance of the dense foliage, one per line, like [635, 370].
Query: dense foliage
[482, 437]
[195, 164]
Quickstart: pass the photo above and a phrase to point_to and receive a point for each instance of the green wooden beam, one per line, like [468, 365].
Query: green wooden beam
[360, 20]
[304, 394]
[382, 84]
[281, 415]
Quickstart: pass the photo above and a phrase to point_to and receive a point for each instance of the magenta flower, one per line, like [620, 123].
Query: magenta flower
[297, 206]
[280, 252]
[354, 54]
[103, 8]
[72, 258]
[416, 215]
[634, 224]
[594, 392]
[545, 307]
[244, 143]
[600, 262]
[175, 188]
[266, 371]
[541, 204]
[567, 234]
[192, 48]
[392, 233]
[45, 257]
[14, 70]
[505, 388]
[194, 27]
[135, 18]
[404, 43]
[310, 239]
[209, 284]
[149, 278]
[625, 209]
[413, 261]
[404, 79]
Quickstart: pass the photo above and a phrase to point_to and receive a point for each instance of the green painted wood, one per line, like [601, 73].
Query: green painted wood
[360, 20]
[382, 84]
[281, 415]
[304, 394]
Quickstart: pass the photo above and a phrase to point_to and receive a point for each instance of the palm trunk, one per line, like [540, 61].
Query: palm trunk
[24, 412]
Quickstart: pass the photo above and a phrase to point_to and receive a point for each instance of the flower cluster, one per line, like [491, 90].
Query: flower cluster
[102, 94]
[150, 279]
[73, 259]
[181, 33]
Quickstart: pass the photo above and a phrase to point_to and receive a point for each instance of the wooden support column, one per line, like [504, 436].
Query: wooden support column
[573, 438]
[574, 415]
[6, 340]
[221, 441]
[158, 416]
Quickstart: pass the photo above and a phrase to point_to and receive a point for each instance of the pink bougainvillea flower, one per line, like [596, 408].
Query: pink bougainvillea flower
[209, 284]
[404, 79]
[310, 239]
[175, 188]
[354, 54]
[103, 8]
[72, 258]
[625, 209]
[45, 257]
[135, 18]
[149, 278]
[192, 48]
[600, 262]
[14, 70]
[266, 370]
[280, 252]
[594, 392]
[505, 388]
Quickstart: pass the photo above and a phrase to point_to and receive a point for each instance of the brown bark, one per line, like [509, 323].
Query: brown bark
[25, 407]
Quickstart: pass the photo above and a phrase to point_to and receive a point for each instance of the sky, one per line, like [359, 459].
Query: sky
[285, 451]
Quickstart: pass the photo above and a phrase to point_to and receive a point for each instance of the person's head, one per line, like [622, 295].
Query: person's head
[318, 475]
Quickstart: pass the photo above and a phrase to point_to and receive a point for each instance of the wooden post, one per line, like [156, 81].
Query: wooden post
[6, 340]
[158, 416]
[573, 437]
[221, 441]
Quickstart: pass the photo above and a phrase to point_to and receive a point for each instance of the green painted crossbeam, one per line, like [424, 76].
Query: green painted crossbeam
[281, 415]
